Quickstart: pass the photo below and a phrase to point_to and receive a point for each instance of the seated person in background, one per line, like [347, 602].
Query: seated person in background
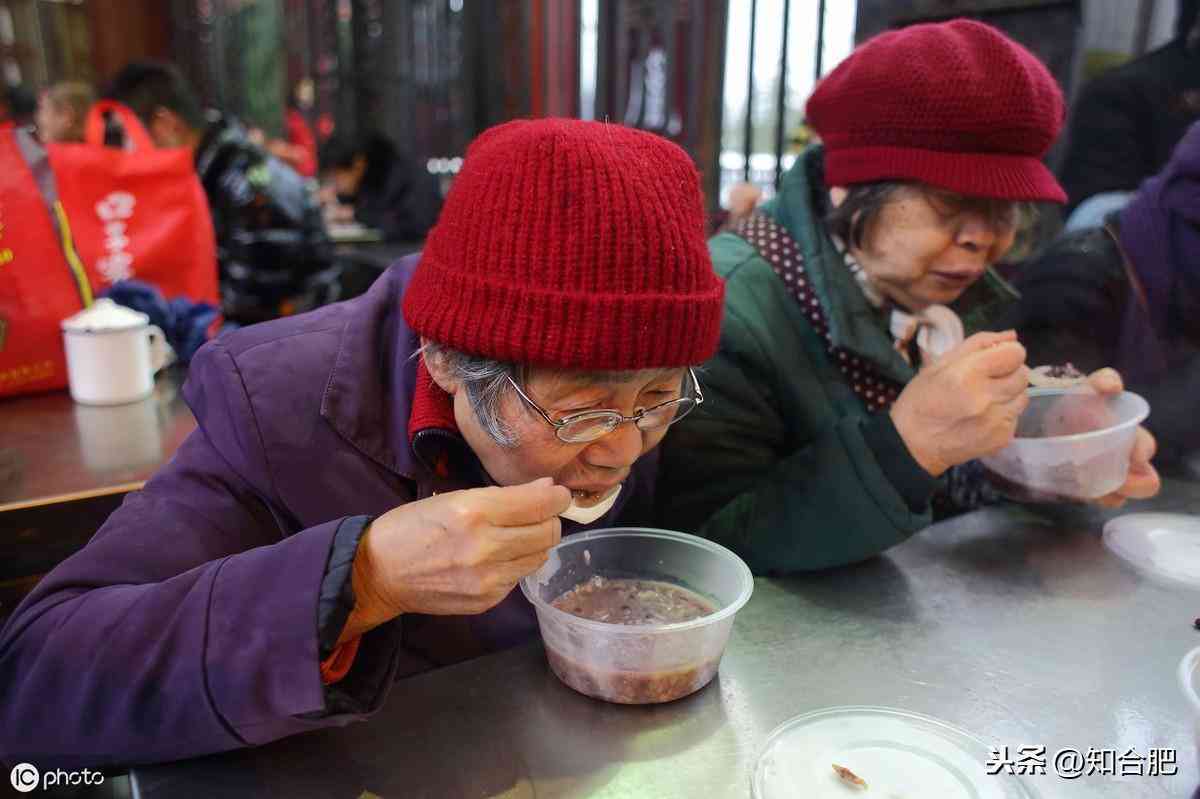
[844, 386]
[299, 151]
[17, 107]
[1126, 122]
[62, 111]
[1082, 302]
[380, 187]
[369, 481]
[275, 256]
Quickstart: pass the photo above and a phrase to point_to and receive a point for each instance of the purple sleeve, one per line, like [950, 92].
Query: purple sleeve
[187, 625]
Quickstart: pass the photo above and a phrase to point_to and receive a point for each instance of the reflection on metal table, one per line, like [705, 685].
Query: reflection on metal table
[1019, 627]
[65, 467]
[53, 450]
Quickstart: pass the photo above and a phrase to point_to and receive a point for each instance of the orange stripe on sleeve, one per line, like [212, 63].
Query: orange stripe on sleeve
[337, 665]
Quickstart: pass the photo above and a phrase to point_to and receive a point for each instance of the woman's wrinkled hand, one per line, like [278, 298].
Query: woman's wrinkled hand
[965, 404]
[1143, 481]
[456, 553]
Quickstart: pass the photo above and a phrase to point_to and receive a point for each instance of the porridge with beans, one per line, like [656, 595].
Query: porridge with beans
[622, 601]
[630, 603]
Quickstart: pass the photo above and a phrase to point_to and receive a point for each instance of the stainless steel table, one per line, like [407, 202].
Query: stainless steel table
[64, 468]
[1019, 627]
[53, 450]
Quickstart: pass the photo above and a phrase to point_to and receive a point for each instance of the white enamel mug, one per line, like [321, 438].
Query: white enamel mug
[113, 353]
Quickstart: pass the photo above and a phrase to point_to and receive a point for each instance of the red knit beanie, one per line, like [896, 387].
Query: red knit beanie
[957, 105]
[572, 244]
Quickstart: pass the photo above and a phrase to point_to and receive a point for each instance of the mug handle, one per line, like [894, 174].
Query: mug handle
[161, 354]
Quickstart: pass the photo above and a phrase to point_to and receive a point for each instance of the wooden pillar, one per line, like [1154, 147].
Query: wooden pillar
[559, 82]
[537, 57]
[141, 30]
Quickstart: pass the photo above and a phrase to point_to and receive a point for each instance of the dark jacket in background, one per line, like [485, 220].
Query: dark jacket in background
[1073, 299]
[1127, 121]
[275, 255]
[398, 196]
[1128, 296]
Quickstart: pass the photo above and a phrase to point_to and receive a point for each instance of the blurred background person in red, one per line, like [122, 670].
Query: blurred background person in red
[299, 151]
[62, 110]
[275, 256]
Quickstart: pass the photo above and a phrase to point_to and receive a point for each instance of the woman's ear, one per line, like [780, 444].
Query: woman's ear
[436, 365]
[837, 195]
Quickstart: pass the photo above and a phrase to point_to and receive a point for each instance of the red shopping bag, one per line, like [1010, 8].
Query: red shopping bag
[139, 212]
[39, 284]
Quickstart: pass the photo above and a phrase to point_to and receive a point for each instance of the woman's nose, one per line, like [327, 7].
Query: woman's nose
[977, 234]
[618, 449]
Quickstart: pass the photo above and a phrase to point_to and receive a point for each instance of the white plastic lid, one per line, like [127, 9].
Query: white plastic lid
[895, 752]
[105, 315]
[1163, 545]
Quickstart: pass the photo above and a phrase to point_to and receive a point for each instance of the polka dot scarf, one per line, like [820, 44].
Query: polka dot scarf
[780, 250]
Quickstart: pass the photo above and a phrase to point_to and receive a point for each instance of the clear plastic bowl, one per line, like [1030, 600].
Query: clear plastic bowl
[1071, 443]
[1189, 682]
[898, 753]
[640, 664]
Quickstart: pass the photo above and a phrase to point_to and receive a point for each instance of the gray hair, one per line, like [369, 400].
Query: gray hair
[485, 381]
[854, 220]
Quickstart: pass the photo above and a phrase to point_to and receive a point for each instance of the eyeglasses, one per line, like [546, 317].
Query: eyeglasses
[580, 428]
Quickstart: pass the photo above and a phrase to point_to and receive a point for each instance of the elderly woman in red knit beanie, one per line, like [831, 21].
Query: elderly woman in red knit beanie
[848, 383]
[370, 480]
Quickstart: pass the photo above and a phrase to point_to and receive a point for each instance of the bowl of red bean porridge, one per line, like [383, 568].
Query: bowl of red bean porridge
[636, 615]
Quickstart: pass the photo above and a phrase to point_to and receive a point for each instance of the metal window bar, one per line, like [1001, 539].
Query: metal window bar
[749, 129]
[820, 39]
[781, 98]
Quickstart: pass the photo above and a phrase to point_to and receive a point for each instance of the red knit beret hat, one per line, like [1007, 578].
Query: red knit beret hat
[571, 244]
[957, 105]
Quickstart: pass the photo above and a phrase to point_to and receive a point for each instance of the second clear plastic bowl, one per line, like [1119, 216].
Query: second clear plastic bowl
[1071, 443]
[640, 664]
